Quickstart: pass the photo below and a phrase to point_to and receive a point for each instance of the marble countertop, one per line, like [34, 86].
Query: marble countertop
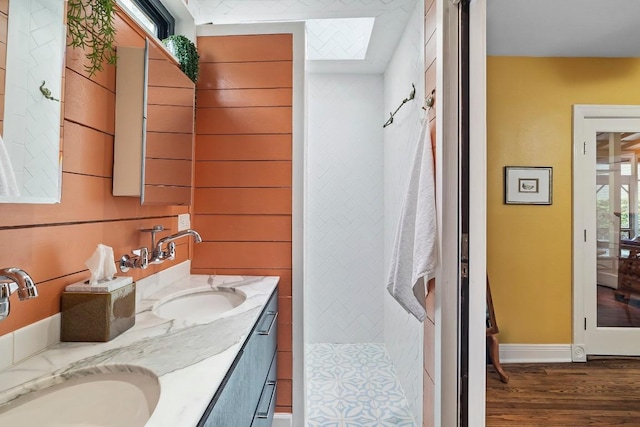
[190, 358]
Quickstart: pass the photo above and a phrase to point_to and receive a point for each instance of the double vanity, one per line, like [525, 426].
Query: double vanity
[202, 353]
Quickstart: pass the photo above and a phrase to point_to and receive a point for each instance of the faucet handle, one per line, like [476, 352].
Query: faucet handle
[125, 263]
[143, 257]
[4, 308]
[171, 251]
[140, 259]
[30, 291]
[7, 288]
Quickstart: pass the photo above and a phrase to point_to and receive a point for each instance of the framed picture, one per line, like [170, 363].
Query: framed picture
[527, 185]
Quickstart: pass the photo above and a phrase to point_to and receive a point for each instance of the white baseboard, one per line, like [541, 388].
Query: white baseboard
[535, 353]
[282, 420]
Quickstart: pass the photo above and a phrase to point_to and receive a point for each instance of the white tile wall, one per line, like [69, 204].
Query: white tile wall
[32, 123]
[345, 38]
[404, 335]
[344, 275]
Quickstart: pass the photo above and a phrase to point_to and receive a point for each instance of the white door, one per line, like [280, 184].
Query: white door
[606, 221]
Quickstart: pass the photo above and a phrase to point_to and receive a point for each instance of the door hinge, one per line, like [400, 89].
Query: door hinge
[584, 148]
[464, 247]
[585, 235]
[585, 323]
[464, 256]
[464, 270]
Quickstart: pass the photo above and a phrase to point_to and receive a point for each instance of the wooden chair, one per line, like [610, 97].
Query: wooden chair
[492, 339]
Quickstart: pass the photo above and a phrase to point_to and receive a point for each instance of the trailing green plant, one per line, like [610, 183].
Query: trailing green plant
[91, 27]
[186, 54]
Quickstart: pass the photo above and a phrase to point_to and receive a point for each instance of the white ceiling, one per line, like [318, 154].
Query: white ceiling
[391, 17]
[583, 28]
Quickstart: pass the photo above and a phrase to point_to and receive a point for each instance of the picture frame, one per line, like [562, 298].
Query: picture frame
[528, 185]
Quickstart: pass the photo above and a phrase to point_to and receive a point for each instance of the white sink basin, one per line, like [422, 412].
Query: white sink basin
[113, 399]
[198, 305]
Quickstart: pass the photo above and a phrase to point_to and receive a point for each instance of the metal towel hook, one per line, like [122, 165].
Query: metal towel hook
[431, 99]
[47, 93]
[404, 101]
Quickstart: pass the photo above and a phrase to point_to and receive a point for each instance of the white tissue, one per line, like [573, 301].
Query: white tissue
[101, 264]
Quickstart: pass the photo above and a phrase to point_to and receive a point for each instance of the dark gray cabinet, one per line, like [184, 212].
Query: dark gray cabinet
[246, 398]
[267, 403]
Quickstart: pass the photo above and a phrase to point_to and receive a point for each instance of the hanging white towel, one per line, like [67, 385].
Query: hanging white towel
[8, 184]
[415, 253]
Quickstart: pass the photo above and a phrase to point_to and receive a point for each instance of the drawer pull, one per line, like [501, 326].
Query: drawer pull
[264, 413]
[271, 325]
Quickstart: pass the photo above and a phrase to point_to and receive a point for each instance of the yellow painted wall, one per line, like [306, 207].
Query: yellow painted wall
[529, 123]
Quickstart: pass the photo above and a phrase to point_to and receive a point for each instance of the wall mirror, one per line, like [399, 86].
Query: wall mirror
[32, 49]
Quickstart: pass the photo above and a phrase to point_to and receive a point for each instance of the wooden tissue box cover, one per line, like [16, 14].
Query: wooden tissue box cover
[98, 317]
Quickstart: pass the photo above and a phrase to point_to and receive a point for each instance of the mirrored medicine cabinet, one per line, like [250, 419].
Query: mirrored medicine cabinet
[153, 151]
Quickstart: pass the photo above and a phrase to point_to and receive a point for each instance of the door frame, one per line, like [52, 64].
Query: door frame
[478, 212]
[447, 183]
[581, 113]
[446, 399]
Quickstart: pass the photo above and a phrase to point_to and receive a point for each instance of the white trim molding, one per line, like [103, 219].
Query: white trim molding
[447, 131]
[478, 208]
[535, 353]
[282, 420]
[578, 353]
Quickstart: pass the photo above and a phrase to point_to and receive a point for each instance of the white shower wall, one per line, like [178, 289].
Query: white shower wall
[32, 122]
[404, 335]
[344, 273]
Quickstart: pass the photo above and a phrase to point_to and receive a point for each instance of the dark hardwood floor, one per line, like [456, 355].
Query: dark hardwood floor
[612, 312]
[601, 392]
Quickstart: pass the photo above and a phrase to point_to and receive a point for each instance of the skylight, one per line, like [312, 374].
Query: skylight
[338, 39]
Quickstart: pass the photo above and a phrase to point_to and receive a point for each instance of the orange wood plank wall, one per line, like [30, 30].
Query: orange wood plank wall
[430, 23]
[242, 203]
[52, 242]
[4, 10]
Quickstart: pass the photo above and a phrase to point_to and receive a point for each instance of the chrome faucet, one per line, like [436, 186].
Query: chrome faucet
[14, 279]
[139, 258]
[158, 255]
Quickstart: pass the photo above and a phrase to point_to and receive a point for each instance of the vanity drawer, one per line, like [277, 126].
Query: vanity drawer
[267, 402]
[264, 337]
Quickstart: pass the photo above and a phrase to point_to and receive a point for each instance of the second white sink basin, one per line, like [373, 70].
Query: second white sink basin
[198, 305]
[113, 399]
